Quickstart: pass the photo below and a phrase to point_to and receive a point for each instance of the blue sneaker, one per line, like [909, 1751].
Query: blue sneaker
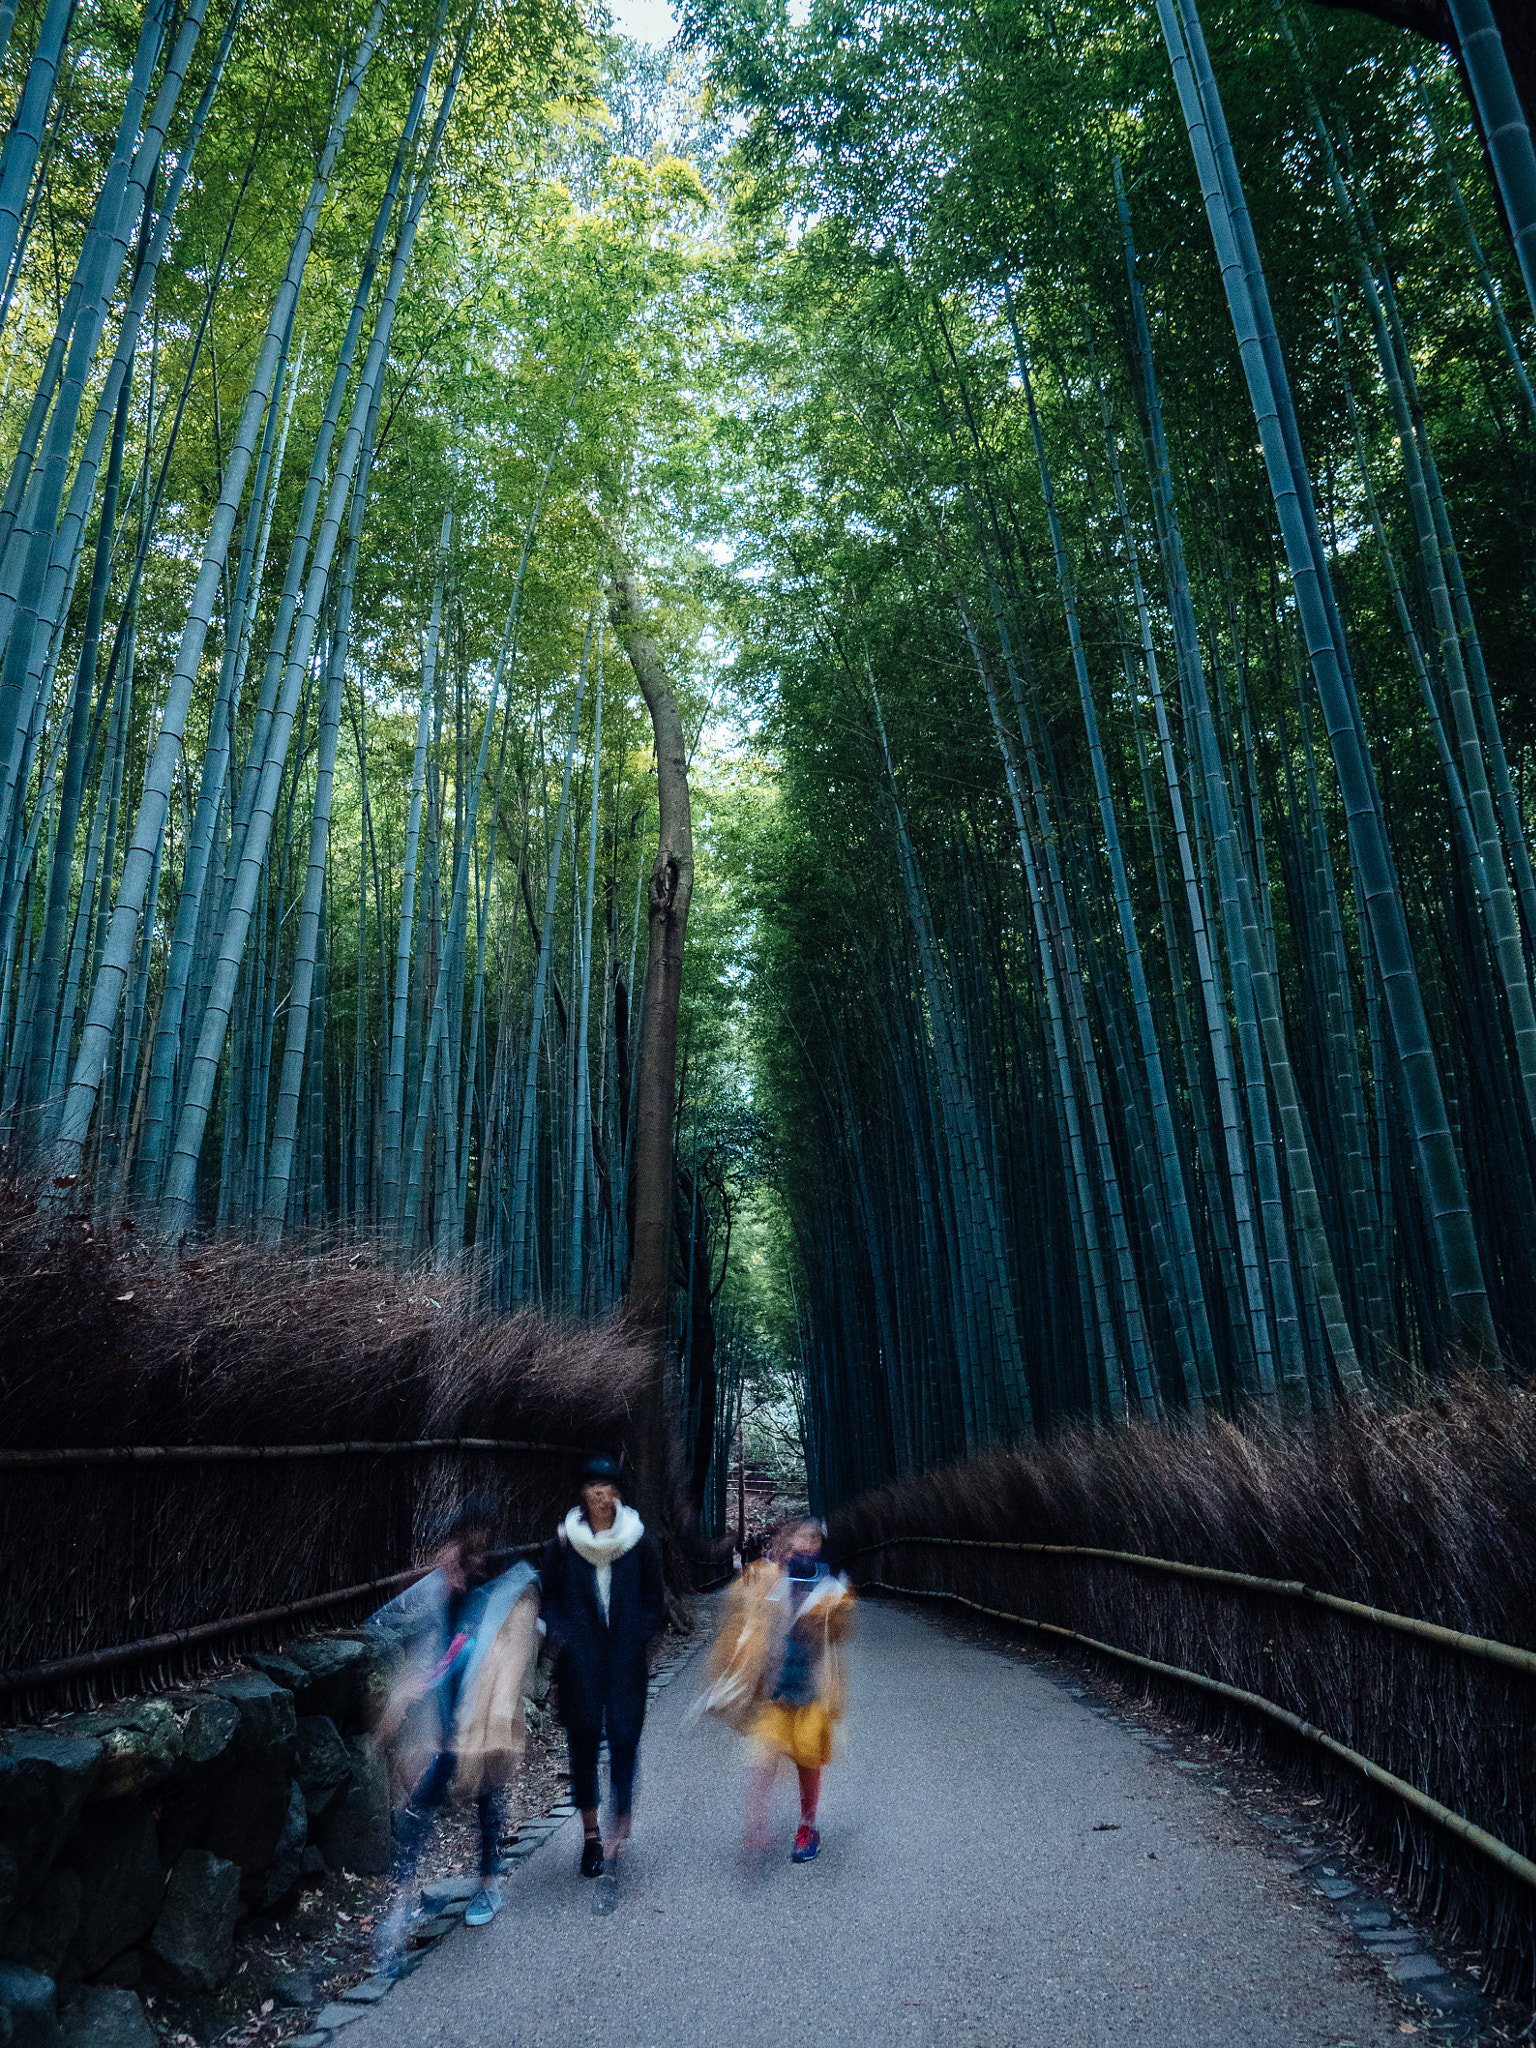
[484, 1906]
[807, 1846]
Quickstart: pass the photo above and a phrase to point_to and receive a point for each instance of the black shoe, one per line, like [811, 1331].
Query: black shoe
[592, 1856]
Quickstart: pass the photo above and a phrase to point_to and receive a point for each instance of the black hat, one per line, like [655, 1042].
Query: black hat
[600, 1472]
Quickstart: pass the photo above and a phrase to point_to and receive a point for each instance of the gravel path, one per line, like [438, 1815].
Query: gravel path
[1000, 1868]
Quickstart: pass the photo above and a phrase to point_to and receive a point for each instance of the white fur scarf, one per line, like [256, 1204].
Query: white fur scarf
[603, 1547]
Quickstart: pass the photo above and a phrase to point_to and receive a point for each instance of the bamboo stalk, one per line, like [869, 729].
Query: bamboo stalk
[85, 1080]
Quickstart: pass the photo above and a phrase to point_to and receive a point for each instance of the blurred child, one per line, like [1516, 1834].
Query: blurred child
[776, 1672]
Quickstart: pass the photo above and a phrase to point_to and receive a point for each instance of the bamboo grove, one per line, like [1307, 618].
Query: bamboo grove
[338, 351]
[1144, 587]
[1056, 484]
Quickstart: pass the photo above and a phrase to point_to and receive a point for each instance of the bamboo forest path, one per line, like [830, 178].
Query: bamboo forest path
[1001, 1867]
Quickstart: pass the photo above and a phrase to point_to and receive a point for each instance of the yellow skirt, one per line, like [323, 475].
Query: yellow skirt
[803, 1734]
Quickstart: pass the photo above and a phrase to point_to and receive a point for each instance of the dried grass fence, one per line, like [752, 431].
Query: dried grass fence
[205, 1455]
[1424, 1513]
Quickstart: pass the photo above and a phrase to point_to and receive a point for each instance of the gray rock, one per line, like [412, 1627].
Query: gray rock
[1455, 1995]
[40, 1935]
[192, 1948]
[382, 1648]
[322, 1766]
[268, 1722]
[1336, 1887]
[139, 1746]
[335, 1678]
[369, 1992]
[435, 1928]
[309, 2041]
[1413, 1969]
[280, 1669]
[184, 1811]
[126, 1971]
[209, 1726]
[448, 1891]
[99, 2017]
[209, 1729]
[280, 1882]
[1372, 1916]
[45, 1780]
[27, 2001]
[247, 1821]
[329, 2017]
[359, 1838]
[295, 1989]
[121, 1881]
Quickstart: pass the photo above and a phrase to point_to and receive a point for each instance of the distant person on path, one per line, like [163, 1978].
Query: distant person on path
[604, 1601]
[776, 1673]
[455, 1721]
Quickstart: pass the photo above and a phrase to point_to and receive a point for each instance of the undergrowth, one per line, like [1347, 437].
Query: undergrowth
[107, 1340]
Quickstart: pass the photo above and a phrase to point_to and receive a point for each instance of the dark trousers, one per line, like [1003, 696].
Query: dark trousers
[411, 1827]
[621, 1769]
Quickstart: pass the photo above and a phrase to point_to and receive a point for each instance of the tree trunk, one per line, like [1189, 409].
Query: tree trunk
[667, 900]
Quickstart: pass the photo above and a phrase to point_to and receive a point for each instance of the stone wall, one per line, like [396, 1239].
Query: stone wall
[134, 1838]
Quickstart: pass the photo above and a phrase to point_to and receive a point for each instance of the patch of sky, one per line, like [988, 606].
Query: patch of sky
[645, 21]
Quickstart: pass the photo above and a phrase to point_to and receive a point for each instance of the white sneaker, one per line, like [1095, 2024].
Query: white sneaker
[484, 1906]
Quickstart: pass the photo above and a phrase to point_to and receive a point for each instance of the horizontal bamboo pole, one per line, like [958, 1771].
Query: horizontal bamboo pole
[89, 1662]
[1508, 1860]
[237, 1454]
[1508, 1654]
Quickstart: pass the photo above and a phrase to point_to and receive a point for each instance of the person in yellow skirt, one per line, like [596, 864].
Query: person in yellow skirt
[776, 1672]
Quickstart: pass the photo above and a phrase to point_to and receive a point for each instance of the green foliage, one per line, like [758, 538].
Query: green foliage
[765, 305]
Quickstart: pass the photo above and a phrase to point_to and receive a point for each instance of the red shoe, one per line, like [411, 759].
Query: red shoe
[807, 1844]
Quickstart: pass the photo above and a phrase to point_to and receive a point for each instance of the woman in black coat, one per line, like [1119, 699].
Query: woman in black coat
[604, 1600]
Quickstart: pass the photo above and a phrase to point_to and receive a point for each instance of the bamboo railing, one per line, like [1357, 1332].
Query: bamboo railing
[1291, 1589]
[215, 1548]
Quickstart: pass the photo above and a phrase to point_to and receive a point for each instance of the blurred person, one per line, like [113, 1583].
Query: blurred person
[776, 1673]
[604, 1602]
[455, 1723]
